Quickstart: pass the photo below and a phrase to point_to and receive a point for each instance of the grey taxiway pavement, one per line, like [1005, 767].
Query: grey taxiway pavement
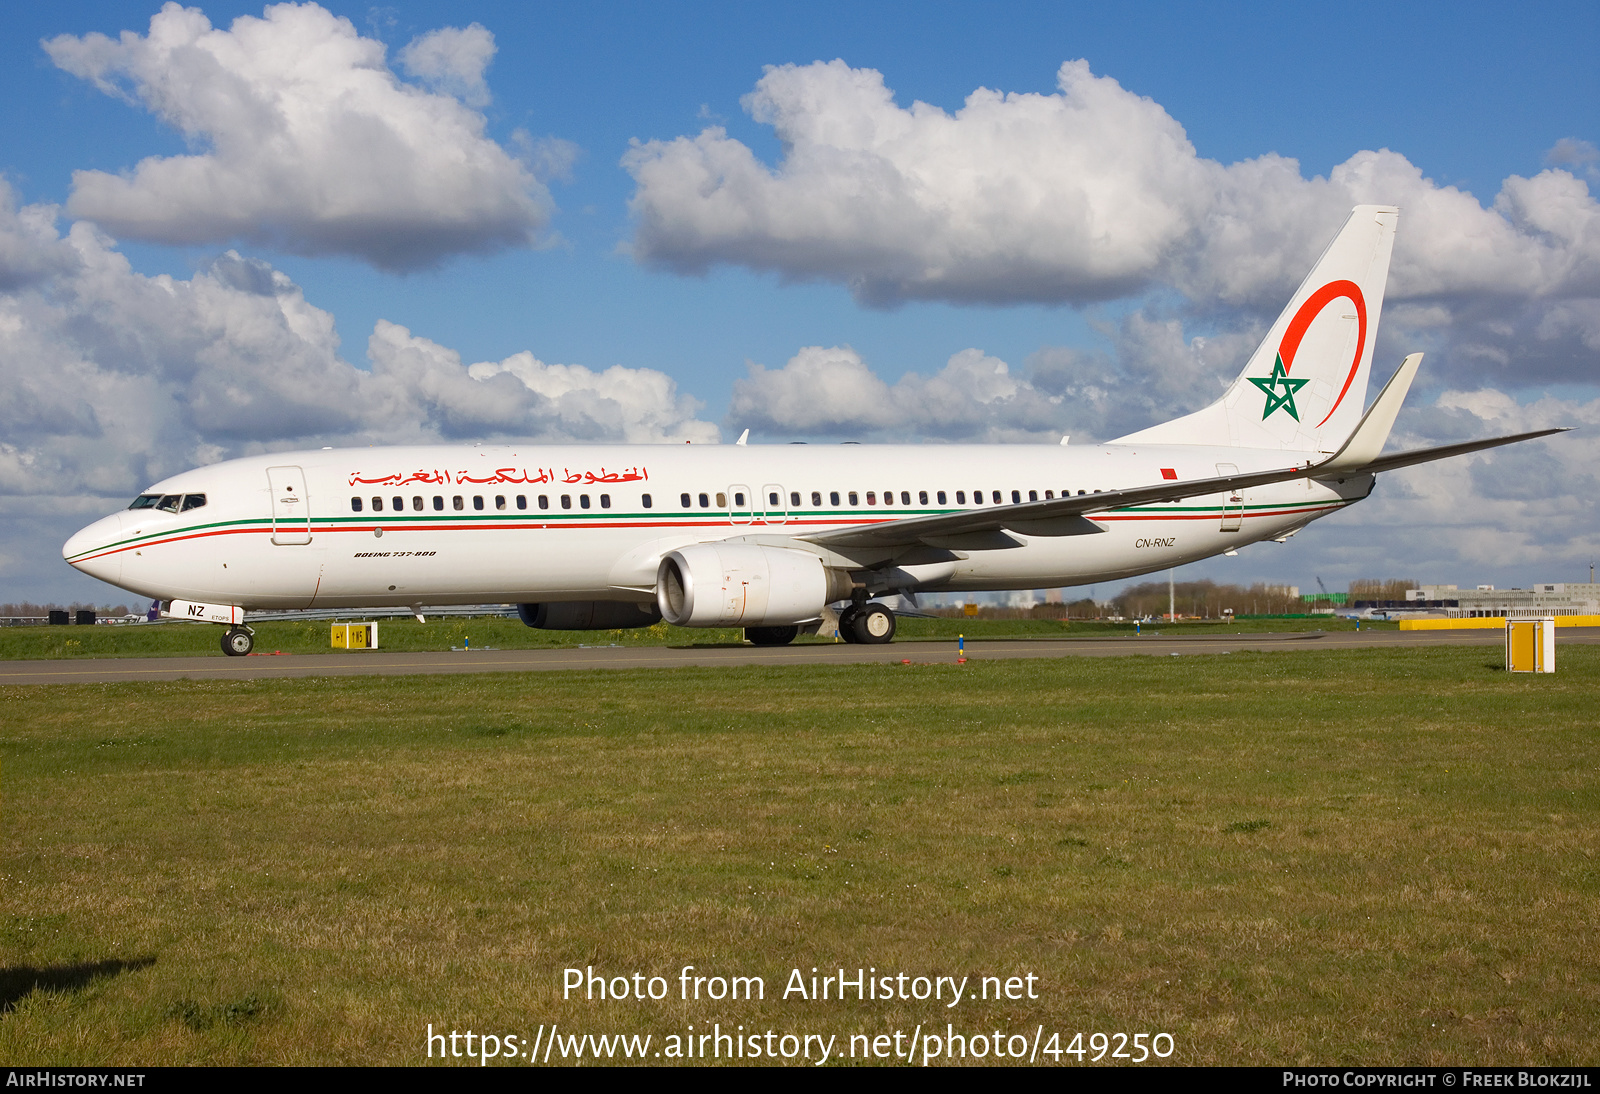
[266, 665]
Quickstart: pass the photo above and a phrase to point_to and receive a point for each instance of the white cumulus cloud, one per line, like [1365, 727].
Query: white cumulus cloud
[1093, 193]
[309, 142]
[831, 392]
[453, 60]
[1072, 196]
[112, 379]
[424, 389]
[1152, 373]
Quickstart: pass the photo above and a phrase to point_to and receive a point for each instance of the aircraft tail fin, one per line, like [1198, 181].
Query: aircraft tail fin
[1305, 387]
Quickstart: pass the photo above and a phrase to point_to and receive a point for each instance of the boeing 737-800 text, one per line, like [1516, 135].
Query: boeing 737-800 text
[766, 537]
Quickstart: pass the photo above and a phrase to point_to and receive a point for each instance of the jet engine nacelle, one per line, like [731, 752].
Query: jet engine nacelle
[588, 615]
[744, 585]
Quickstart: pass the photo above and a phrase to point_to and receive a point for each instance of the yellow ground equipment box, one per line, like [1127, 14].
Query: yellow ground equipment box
[355, 636]
[1531, 645]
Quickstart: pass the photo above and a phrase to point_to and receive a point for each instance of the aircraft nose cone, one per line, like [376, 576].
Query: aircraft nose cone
[86, 550]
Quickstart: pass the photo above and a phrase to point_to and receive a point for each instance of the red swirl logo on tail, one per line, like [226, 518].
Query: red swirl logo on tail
[1308, 312]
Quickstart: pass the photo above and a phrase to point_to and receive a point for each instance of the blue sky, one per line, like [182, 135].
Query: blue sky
[1466, 96]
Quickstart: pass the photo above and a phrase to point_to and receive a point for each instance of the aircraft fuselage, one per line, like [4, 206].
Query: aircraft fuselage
[431, 525]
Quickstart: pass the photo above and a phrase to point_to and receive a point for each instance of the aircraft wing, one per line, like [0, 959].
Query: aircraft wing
[986, 528]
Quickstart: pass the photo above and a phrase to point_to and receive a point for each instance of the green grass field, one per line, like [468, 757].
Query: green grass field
[1355, 857]
[188, 639]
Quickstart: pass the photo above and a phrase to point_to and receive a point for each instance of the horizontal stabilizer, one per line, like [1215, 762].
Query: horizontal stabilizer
[1428, 455]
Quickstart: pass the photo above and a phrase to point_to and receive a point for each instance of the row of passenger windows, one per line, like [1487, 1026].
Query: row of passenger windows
[398, 503]
[853, 498]
[169, 503]
[687, 501]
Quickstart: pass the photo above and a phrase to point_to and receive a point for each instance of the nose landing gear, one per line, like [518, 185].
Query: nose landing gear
[238, 641]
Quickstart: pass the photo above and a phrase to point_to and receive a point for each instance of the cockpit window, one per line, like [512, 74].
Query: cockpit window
[193, 501]
[145, 501]
[169, 503]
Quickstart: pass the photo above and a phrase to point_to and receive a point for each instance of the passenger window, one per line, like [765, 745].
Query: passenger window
[544, 501]
[794, 497]
[499, 501]
[477, 501]
[722, 501]
[377, 505]
[833, 497]
[997, 498]
[684, 498]
[1048, 494]
[193, 501]
[905, 497]
[816, 498]
[853, 501]
[416, 502]
[1016, 497]
[922, 497]
[438, 503]
[941, 497]
[872, 498]
[961, 497]
[566, 501]
[888, 497]
[1081, 493]
[644, 500]
[522, 501]
[705, 501]
[605, 501]
[399, 504]
[169, 503]
[583, 501]
[355, 505]
[458, 503]
[1033, 495]
[145, 501]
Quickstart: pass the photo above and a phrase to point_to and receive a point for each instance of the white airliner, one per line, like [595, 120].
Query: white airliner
[766, 537]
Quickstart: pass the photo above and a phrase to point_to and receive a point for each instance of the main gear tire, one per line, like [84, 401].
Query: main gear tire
[771, 636]
[873, 625]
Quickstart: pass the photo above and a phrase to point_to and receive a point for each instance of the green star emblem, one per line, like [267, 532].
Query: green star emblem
[1276, 398]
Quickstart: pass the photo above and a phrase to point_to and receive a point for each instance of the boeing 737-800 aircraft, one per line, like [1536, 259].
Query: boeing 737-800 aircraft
[766, 537]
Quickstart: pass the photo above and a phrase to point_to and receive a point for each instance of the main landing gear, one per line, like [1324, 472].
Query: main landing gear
[868, 624]
[237, 641]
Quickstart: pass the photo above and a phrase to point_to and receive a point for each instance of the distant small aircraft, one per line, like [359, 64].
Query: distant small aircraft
[767, 537]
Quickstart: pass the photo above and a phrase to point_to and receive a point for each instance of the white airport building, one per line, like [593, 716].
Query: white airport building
[1486, 602]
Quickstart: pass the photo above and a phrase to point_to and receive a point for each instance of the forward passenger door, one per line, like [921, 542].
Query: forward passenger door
[291, 507]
